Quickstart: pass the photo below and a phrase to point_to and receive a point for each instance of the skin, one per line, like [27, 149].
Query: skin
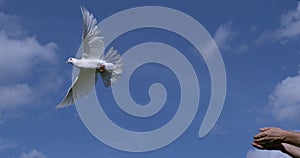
[271, 138]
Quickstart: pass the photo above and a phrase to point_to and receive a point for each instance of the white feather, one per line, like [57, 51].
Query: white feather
[92, 58]
[93, 45]
[113, 76]
[83, 84]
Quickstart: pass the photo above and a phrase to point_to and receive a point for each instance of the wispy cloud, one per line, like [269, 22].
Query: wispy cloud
[11, 24]
[255, 153]
[224, 35]
[33, 154]
[5, 144]
[226, 38]
[285, 100]
[288, 28]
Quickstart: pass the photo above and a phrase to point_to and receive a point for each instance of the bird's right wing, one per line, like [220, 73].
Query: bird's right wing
[82, 85]
[93, 45]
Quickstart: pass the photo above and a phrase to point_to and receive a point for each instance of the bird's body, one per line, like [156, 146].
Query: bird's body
[92, 62]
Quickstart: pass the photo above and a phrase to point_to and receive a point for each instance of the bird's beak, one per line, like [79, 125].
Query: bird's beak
[67, 61]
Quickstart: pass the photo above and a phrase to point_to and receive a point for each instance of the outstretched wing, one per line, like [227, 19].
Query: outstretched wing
[82, 85]
[93, 45]
[68, 99]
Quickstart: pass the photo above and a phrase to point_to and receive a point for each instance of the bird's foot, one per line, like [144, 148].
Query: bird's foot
[101, 69]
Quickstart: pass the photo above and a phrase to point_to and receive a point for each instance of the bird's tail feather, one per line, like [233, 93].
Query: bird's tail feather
[112, 56]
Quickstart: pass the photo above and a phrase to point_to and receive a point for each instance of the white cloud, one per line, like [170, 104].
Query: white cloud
[14, 95]
[18, 57]
[226, 38]
[21, 53]
[29, 69]
[285, 100]
[289, 24]
[289, 27]
[33, 154]
[255, 153]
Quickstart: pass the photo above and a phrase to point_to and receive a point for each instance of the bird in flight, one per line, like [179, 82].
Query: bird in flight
[92, 62]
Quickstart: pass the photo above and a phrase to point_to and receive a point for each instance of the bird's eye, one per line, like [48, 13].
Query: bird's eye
[70, 58]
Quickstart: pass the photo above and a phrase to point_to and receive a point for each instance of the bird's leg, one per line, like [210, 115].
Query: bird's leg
[101, 69]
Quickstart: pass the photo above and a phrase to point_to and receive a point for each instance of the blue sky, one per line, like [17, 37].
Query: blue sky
[258, 40]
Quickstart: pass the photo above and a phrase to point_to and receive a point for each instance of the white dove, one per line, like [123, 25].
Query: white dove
[93, 61]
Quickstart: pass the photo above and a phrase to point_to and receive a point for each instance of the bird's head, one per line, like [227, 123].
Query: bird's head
[70, 60]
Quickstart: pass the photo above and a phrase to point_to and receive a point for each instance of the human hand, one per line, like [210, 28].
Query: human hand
[269, 138]
[269, 146]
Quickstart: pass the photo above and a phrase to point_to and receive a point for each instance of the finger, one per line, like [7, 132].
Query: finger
[259, 135]
[257, 146]
[262, 141]
[264, 129]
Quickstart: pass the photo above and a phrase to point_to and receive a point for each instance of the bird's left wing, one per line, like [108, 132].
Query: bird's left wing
[82, 85]
[93, 45]
[68, 99]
